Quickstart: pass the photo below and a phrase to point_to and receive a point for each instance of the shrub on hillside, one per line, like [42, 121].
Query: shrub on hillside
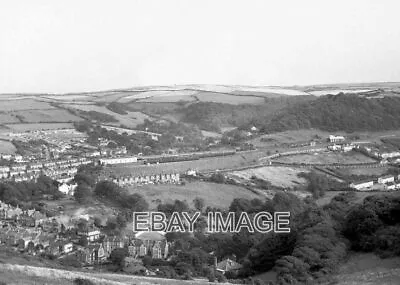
[81, 281]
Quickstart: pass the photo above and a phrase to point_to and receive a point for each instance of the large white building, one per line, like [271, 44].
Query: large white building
[386, 179]
[118, 160]
[336, 139]
[67, 189]
[362, 185]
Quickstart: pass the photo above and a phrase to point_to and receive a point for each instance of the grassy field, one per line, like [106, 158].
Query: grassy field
[168, 99]
[132, 119]
[7, 147]
[211, 134]
[66, 97]
[278, 176]
[228, 99]
[30, 275]
[215, 195]
[276, 140]
[8, 118]
[37, 126]
[23, 104]
[368, 269]
[327, 157]
[362, 171]
[45, 116]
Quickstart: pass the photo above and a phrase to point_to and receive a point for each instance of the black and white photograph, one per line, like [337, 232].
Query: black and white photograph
[195, 142]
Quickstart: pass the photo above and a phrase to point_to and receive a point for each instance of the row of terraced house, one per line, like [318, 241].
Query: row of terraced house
[173, 178]
[58, 169]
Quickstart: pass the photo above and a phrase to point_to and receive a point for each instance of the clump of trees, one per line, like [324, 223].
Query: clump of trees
[112, 192]
[345, 112]
[374, 226]
[318, 184]
[118, 108]
[28, 191]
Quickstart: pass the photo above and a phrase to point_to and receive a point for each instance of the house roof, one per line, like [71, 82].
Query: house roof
[362, 181]
[154, 236]
[387, 176]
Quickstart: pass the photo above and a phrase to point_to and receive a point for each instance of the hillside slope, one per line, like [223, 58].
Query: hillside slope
[27, 275]
[333, 113]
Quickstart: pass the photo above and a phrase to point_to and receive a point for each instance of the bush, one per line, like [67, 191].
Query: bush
[70, 261]
[220, 277]
[211, 276]
[81, 281]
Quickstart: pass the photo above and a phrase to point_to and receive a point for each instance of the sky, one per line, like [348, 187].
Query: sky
[84, 45]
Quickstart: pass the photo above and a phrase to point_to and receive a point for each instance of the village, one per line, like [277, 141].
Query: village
[31, 232]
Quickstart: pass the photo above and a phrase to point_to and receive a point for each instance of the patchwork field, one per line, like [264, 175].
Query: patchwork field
[286, 177]
[132, 119]
[215, 195]
[327, 158]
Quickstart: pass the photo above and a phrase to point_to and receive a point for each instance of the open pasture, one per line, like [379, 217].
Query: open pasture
[159, 96]
[7, 147]
[132, 119]
[8, 118]
[168, 99]
[227, 98]
[47, 116]
[290, 137]
[23, 104]
[362, 171]
[69, 97]
[38, 126]
[215, 195]
[286, 177]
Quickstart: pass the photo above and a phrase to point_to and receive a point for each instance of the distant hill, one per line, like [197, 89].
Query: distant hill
[345, 112]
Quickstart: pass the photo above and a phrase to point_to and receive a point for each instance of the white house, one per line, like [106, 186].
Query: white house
[67, 189]
[390, 186]
[390, 154]
[336, 139]
[191, 172]
[386, 179]
[362, 185]
[118, 160]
